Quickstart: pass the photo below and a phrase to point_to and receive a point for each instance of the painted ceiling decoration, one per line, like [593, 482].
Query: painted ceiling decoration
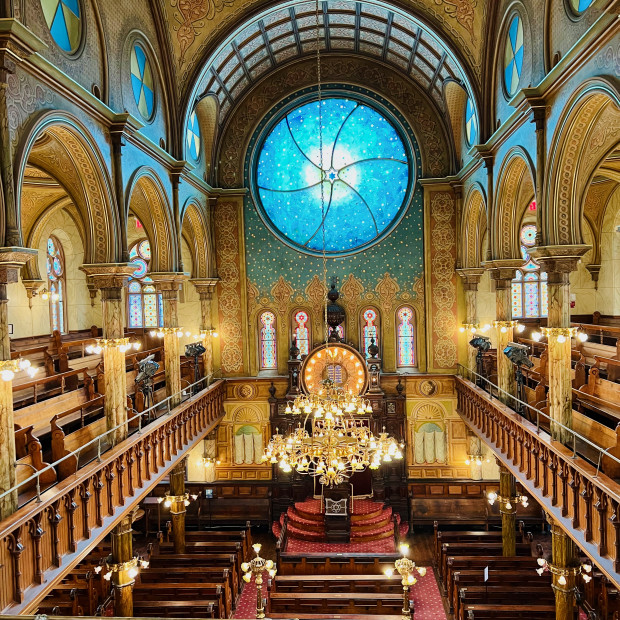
[64, 20]
[195, 28]
[282, 34]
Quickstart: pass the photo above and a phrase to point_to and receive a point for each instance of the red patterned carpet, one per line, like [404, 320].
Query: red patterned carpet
[426, 600]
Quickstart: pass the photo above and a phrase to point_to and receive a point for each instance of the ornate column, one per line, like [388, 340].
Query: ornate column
[564, 568]
[503, 274]
[508, 510]
[558, 262]
[205, 288]
[168, 284]
[177, 506]
[110, 279]
[11, 261]
[122, 556]
[471, 279]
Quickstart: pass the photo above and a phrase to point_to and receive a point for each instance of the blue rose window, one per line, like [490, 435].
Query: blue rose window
[364, 175]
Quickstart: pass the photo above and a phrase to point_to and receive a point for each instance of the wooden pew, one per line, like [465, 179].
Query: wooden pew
[65, 443]
[211, 576]
[174, 609]
[336, 603]
[212, 594]
[490, 611]
[334, 564]
[29, 460]
[300, 616]
[335, 583]
[599, 396]
[449, 550]
[242, 536]
[503, 595]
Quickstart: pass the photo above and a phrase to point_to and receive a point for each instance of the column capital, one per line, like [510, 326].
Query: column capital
[503, 271]
[558, 259]
[107, 275]
[471, 277]
[204, 286]
[12, 259]
[168, 280]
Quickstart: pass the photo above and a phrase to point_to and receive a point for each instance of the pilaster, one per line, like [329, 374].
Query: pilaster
[471, 280]
[205, 288]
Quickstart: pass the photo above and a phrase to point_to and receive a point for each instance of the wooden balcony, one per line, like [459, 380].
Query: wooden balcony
[584, 501]
[42, 540]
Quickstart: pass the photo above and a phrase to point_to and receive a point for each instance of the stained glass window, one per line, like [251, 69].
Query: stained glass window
[362, 174]
[579, 6]
[369, 330]
[268, 360]
[56, 284]
[145, 306]
[301, 331]
[529, 288]
[64, 20]
[513, 55]
[142, 82]
[193, 136]
[405, 337]
[340, 332]
[471, 122]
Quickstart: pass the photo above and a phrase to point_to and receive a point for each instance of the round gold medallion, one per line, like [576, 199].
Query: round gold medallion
[338, 362]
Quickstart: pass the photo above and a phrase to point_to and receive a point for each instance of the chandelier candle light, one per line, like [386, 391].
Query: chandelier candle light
[406, 568]
[122, 344]
[9, 368]
[256, 566]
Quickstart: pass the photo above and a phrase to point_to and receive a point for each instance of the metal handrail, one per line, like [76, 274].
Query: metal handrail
[462, 371]
[187, 391]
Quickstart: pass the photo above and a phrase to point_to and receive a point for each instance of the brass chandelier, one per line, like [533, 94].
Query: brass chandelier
[337, 443]
[333, 442]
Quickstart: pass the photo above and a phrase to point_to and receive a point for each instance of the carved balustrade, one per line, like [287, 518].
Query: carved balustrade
[41, 541]
[580, 498]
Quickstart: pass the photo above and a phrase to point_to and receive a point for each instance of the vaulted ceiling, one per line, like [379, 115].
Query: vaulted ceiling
[226, 45]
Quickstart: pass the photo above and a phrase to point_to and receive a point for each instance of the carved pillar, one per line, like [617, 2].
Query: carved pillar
[508, 510]
[11, 261]
[205, 287]
[471, 279]
[503, 276]
[110, 279]
[168, 284]
[177, 507]
[558, 262]
[122, 553]
[564, 566]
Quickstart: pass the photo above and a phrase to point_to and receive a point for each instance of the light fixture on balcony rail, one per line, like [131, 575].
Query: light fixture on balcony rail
[504, 326]
[560, 334]
[122, 344]
[474, 328]
[508, 504]
[209, 332]
[169, 500]
[562, 574]
[9, 368]
[131, 568]
[160, 332]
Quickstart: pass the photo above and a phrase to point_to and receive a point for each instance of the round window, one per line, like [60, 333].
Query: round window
[580, 6]
[513, 56]
[64, 19]
[142, 82]
[193, 136]
[471, 123]
[346, 186]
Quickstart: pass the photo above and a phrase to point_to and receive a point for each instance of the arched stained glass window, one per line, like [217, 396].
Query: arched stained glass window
[369, 330]
[56, 284]
[529, 287]
[362, 176]
[142, 82]
[301, 331]
[405, 335]
[513, 56]
[193, 136]
[268, 358]
[471, 123]
[63, 18]
[340, 331]
[145, 306]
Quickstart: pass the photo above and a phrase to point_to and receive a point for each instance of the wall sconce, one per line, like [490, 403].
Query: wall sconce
[561, 334]
[168, 500]
[476, 459]
[162, 331]
[585, 570]
[474, 327]
[209, 332]
[131, 568]
[9, 368]
[45, 295]
[122, 344]
[508, 504]
[504, 326]
[205, 461]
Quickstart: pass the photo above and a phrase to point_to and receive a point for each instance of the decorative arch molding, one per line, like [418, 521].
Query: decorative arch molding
[299, 77]
[588, 130]
[196, 230]
[146, 197]
[515, 180]
[208, 114]
[85, 177]
[473, 226]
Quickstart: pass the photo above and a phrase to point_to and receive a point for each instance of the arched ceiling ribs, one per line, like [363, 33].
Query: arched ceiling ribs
[365, 28]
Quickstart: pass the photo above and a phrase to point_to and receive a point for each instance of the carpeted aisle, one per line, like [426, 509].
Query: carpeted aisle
[426, 599]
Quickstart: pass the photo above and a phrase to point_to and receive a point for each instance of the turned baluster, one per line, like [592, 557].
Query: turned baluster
[109, 476]
[85, 496]
[139, 457]
[614, 519]
[120, 470]
[130, 463]
[36, 533]
[71, 507]
[575, 483]
[98, 488]
[601, 508]
[544, 453]
[586, 494]
[16, 549]
[54, 517]
[553, 467]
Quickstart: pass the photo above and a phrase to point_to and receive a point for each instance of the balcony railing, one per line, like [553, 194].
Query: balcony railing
[572, 490]
[42, 540]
